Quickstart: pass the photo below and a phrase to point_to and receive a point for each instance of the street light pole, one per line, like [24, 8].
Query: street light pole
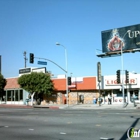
[66, 61]
[122, 71]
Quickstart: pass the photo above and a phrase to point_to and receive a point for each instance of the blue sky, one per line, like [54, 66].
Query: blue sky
[35, 26]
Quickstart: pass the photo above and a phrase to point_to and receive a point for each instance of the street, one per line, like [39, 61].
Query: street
[66, 124]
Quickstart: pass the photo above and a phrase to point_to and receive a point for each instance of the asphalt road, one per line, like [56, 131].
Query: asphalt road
[51, 124]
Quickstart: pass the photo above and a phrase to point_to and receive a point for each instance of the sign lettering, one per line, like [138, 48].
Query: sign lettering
[109, 82]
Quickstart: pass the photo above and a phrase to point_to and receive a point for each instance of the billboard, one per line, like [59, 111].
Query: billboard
[125, 38]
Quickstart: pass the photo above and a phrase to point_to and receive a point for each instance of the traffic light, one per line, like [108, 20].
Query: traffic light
[118, 77]
[127, 76]
[69, 80]
[31, 58]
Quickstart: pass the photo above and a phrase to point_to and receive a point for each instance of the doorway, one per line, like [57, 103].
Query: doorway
[133, 95]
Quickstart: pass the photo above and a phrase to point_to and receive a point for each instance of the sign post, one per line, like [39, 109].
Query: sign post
[99, 80]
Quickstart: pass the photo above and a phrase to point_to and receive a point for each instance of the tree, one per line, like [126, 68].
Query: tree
[2, 84]
[36, 83]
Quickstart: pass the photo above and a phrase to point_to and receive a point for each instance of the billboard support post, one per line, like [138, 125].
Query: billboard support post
[122, 71]
[122, 75]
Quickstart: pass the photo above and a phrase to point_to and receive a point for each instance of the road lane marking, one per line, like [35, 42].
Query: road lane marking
[98, 125]
[31, 129]
[62, 133]
[123, 117]
[66, 114]
[106, 138]
[69, 122]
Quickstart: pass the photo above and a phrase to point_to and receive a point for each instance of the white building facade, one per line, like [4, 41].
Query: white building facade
[131, 90]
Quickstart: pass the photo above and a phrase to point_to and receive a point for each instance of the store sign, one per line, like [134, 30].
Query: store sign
[109, 82]
[26, 70]
[43, 69]
[71, 86]
[99, 71]
[29, 70]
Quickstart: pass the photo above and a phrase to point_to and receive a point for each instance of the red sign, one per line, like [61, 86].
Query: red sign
[71, 86]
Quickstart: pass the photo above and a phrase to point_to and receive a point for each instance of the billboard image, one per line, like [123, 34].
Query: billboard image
[126, 38]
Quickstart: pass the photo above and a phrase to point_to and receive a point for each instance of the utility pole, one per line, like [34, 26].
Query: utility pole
[0, 64]
[25, 58]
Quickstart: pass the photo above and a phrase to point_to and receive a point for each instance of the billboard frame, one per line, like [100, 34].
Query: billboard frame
[125, 39]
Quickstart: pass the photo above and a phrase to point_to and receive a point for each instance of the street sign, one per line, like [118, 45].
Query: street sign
[42, 62]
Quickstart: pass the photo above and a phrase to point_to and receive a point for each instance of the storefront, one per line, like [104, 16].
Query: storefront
[81, 87]
[13, 94]
[131, 90]
[87, 87]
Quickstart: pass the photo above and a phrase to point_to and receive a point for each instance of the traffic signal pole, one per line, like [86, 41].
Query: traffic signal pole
[66, 71]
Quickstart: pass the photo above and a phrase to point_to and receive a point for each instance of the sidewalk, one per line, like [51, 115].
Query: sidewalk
[76, 106]
[14, 106]
[87, 106]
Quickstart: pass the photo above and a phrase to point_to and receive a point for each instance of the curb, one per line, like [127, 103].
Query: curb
[49, 107]
[54, 107]
[39, 106]
[65, 107]
[14, 106]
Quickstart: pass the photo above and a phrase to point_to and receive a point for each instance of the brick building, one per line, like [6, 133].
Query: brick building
[86, 86]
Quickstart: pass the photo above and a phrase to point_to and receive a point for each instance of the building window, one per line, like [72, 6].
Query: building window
[118, 93]
[9, 95]
[16, 95]
[21, 95]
